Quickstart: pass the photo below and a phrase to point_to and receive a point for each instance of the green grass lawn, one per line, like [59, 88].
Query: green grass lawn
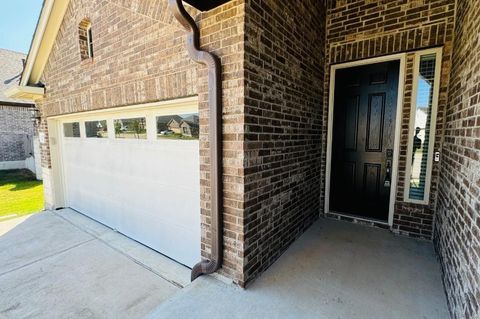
[20, 194]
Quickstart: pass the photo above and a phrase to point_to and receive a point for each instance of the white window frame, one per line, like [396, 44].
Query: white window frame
[433, 124]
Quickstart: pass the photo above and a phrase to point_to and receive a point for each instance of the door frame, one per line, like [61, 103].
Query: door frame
[398, 121]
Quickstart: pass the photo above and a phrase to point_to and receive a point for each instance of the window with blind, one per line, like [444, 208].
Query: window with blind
[422, 125]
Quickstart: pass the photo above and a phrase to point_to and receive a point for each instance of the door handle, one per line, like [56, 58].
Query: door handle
[388, 175]
[388, 172]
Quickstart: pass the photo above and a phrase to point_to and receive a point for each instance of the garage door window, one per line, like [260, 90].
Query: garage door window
[132, 128]
[96, 129]
[71, 129]
[180, 127]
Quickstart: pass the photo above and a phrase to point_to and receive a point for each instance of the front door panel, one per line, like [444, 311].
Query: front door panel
[363, 139]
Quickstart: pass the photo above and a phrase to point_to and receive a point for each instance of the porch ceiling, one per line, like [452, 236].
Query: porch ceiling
[205, 5]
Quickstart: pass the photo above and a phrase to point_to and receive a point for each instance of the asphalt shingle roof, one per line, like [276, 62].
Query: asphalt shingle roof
[11, 67]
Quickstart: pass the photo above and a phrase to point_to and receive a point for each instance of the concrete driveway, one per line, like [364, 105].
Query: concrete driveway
[64, 265]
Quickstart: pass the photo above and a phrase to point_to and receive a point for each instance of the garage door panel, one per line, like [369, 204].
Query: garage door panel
[175, 167]
[89, 187]
[147, 189]
[166, 240]
[162, 209]
[96, 209]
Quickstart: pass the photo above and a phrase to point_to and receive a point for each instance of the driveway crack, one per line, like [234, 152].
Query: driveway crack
[46, 257]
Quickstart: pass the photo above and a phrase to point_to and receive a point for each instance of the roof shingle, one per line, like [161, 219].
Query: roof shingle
[11, 67]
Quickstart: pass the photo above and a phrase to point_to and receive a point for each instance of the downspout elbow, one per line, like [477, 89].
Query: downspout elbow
[215, 135]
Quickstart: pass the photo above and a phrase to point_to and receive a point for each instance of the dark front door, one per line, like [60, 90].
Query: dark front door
[363, 138]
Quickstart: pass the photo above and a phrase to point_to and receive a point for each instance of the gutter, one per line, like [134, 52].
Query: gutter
[205, 267]
[17, 104]
[23, 92]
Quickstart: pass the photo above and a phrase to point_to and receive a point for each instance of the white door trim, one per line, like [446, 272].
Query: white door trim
[401, 83]
[57, 177]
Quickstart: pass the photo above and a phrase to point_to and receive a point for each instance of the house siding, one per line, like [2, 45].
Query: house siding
[16, 132]
[362, 29]
[457, 226]
[284, 57]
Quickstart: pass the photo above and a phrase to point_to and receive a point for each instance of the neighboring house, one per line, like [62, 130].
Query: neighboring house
[174, 126]
[306, 109]
[163, 121]
[19, 146]
[189, 126]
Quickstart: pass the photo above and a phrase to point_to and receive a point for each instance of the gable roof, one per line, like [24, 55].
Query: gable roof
[189, 124]
[48, 26]
[174, 122]
[49, 23]
[192, 119]
[11, 67]
[167, 118]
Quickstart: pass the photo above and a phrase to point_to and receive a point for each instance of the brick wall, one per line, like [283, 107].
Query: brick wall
[140, 56]
[275, 87]
[284, 58]
[222, 32]
[16, 131]
[457, 227]
[361, 29]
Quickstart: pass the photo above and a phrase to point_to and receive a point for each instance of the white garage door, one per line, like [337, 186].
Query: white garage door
[137, 171]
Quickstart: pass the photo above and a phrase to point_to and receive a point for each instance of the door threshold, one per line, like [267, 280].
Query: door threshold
[358, 220]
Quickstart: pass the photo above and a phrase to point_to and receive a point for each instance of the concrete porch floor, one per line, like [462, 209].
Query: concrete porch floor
[335, 270]
[65, 265]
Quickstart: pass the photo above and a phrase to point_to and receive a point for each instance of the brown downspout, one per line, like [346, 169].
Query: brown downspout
[214, 135]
